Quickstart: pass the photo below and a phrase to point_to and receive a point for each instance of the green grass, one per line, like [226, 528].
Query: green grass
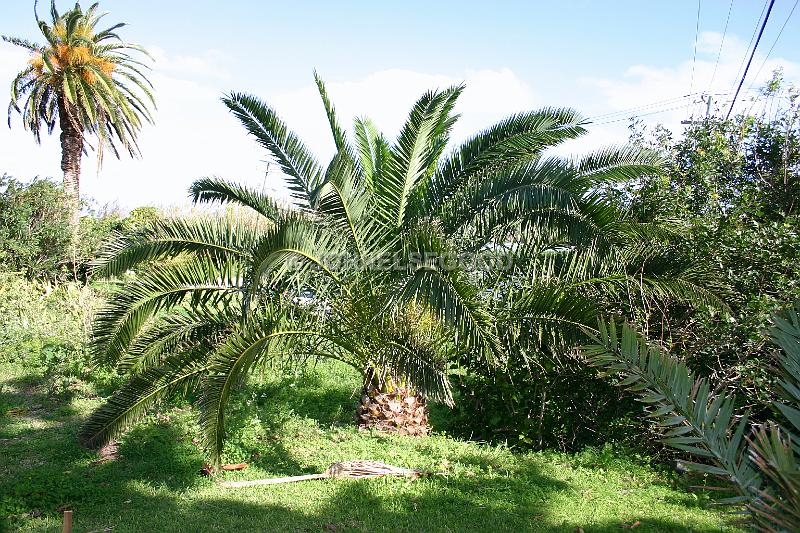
[301, 424]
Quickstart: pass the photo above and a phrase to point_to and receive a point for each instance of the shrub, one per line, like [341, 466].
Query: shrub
[34, 228]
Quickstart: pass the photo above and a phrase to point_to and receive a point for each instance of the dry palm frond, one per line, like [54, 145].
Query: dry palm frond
[343, 469]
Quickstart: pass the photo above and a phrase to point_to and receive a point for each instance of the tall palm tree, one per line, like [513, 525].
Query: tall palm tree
[378, 235]
[86, 80]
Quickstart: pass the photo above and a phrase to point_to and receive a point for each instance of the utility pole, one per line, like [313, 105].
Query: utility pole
[703, 98]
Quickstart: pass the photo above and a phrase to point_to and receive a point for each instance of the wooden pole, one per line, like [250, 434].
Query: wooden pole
[67, 522]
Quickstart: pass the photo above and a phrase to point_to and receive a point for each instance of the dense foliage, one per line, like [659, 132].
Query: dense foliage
[34, 228]
[729, 190]
[35, 233]
[735, 186]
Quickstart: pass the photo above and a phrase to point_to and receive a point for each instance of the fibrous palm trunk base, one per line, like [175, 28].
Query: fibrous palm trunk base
[401, 411]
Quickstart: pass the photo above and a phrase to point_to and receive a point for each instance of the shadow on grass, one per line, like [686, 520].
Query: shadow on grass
[349, 506]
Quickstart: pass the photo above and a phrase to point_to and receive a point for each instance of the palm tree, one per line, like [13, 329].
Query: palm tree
[378, 236]
[86, 80]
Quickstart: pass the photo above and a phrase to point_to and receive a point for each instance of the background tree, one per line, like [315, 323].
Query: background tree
[734, 184]
[85, 80]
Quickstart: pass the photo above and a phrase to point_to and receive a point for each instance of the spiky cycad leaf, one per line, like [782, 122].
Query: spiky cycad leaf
[693, 419]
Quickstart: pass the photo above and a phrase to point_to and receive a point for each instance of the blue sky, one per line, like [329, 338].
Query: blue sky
[600, 57]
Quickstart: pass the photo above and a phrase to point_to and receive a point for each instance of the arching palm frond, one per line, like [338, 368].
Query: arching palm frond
[414, 153]
[516, 140]
[263, 123]
[694, 420]
[617, 165]
[215, 239]
[201, 282]
[295, 249]
[762, 467]
[130, 403]
[210, 190]
[268, 333]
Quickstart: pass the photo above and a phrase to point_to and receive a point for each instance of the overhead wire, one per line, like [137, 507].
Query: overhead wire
[721, 44]
[696, 37]
[771, 48]
[749, 61]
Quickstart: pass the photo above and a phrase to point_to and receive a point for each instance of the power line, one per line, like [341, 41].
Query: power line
[721, 44]
[755, 46]
[696, 35]
[771, 48]
[683, 106]
[633, 110]
[750, 42]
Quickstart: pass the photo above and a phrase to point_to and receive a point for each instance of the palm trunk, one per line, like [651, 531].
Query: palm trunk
[392, 408]
[71, 152]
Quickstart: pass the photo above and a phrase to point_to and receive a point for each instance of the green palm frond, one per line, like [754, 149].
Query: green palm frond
[441, 287]
[265, 335]
[342, 197]
[693, 419]
[292, 250]
[339, 136]
[373, 150]
[616, 165]
[263, 123]
[200, 281]
[131, 402]
[486, 205]
[551, 313]
[210, 190]
[516, 140]
[414, 153]
[180, 330]
[217, 239]
[776, 508]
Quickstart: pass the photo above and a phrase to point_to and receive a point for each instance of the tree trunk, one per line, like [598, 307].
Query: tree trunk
[71, 152]
[392, 408]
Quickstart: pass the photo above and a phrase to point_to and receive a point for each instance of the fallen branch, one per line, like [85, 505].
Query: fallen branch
[344, 469]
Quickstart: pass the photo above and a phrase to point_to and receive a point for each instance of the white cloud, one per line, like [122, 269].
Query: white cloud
[642, 85]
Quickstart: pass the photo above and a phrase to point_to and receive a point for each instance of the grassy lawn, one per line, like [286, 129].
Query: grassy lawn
[297, 425]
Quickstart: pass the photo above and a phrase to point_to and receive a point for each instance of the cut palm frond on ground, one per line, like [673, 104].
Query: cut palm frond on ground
[343, 469]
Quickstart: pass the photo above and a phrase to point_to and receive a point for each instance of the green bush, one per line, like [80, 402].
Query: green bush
[34, 228]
